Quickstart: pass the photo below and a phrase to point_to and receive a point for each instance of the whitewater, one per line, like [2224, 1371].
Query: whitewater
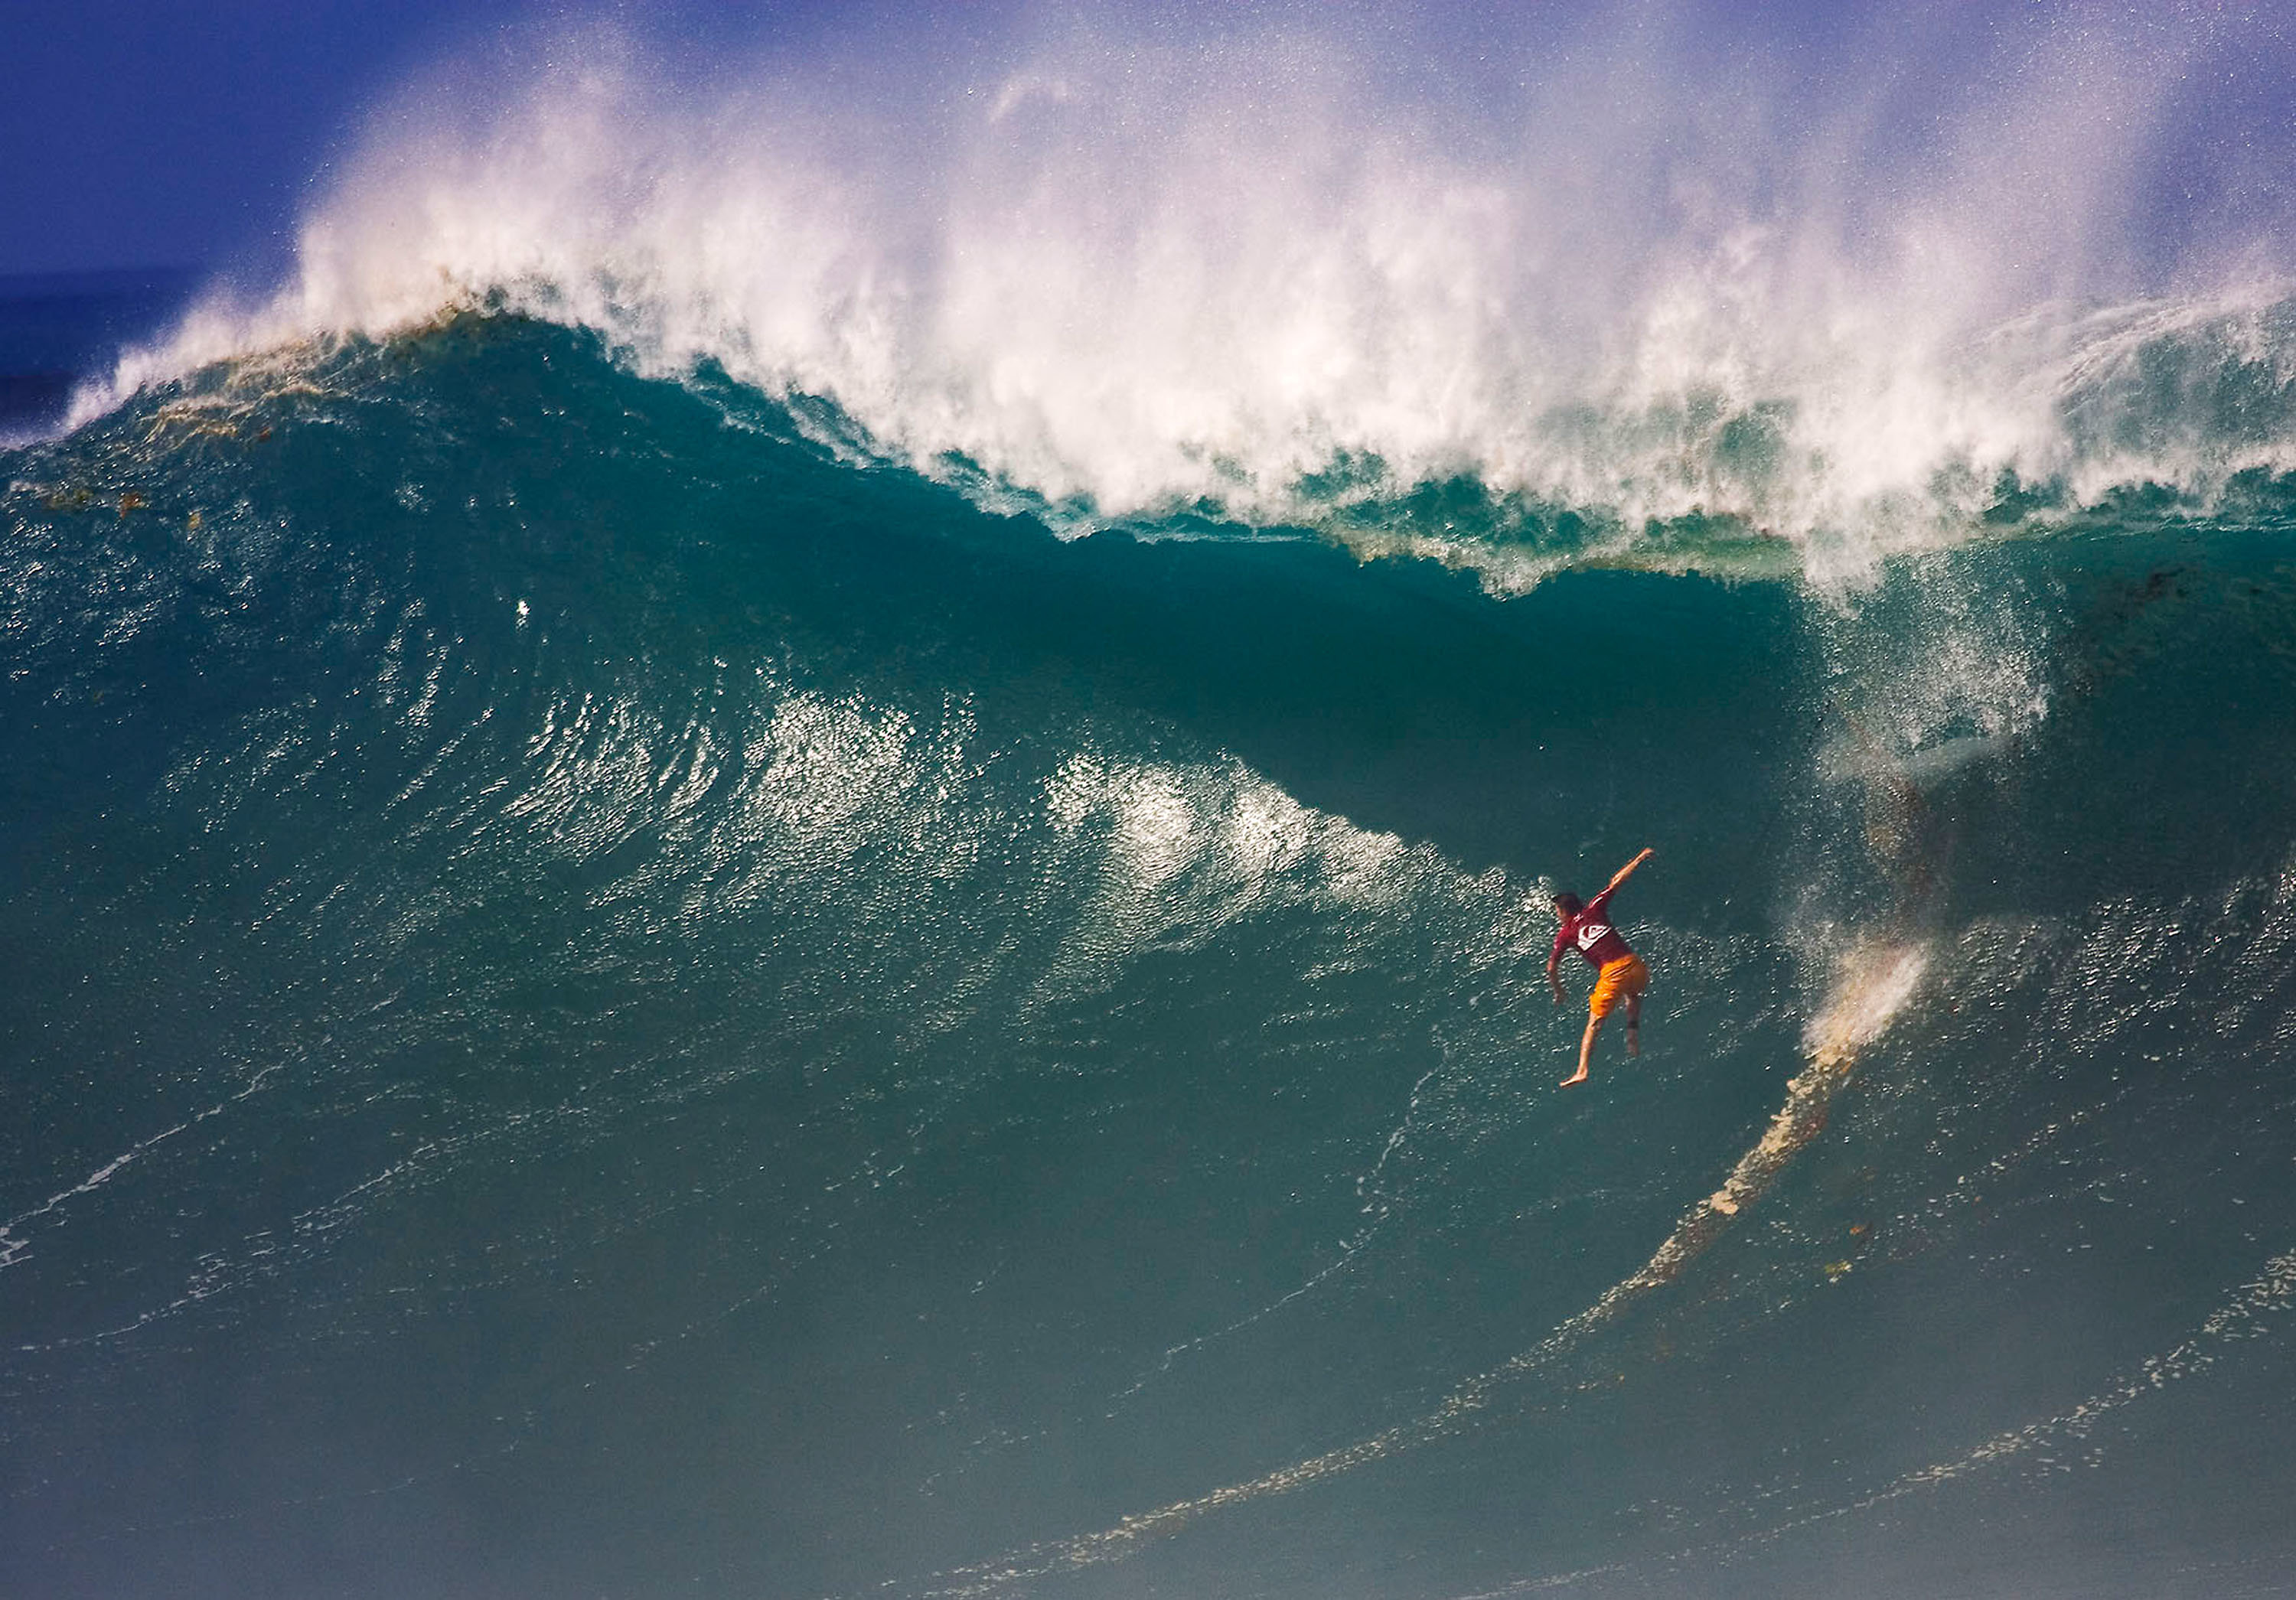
[794, 835]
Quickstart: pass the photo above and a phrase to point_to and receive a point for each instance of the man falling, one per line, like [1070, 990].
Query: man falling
[1619, 974]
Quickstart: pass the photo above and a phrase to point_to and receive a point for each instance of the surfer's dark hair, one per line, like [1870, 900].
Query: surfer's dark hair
[1569, 904]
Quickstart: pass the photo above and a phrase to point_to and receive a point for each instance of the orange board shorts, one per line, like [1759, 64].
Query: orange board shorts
[1617, 979]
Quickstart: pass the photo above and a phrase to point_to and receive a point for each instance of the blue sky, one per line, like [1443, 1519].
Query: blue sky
[157, 133]
[178, 134]
[166, 132]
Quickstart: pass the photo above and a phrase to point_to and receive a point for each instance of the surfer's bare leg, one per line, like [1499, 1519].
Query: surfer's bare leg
[1585, 1052]
[1634, 1025]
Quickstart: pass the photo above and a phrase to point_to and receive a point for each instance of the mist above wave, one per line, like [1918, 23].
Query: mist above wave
[1840, 289]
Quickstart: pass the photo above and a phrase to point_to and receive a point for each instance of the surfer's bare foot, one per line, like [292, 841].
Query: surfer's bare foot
[1577, 1076]
[1633, 1041]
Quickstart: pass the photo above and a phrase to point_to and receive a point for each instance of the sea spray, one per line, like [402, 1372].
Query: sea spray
[1122, 280]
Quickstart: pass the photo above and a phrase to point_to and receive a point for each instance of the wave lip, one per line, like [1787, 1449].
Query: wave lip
[1125, 283]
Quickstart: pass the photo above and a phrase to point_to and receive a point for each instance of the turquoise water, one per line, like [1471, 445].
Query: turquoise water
[606, 995]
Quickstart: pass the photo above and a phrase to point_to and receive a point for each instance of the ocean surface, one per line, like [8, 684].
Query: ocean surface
[671, 926]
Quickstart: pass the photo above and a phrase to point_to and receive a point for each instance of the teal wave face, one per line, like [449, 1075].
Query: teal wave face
[591, 966]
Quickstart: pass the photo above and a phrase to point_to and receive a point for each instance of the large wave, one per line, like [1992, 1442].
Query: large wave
[1855, 297]
[613, 983]
[570, 951]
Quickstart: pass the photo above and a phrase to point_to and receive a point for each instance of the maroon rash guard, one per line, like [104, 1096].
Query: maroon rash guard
[1589, 930]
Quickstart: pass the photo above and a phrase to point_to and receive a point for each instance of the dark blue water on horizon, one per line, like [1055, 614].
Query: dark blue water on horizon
[59, 329]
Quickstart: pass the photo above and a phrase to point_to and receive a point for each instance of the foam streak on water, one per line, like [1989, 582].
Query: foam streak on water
[1874, 980]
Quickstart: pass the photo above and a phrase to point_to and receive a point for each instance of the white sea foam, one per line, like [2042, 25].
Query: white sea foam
[1662, 272]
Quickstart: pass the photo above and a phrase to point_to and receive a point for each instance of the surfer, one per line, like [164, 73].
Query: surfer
[1619, 974]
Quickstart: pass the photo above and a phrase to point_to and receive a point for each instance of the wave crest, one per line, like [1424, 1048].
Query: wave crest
[1252, 279]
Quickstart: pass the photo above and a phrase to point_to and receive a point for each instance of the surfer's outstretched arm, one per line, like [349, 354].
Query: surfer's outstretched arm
[1625, 872]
